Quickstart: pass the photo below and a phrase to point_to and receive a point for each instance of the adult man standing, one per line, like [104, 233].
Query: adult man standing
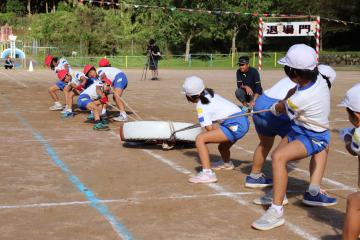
[154, 55]
[248, 83]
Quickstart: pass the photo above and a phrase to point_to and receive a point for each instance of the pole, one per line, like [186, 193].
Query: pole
[211, 60]
[275, 59]
[317, 38]
[126, 61]
[232, 59]
[190, 60]
[254, 59]
[260, 42]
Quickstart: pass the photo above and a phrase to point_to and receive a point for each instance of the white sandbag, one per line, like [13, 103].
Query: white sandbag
[157, 130]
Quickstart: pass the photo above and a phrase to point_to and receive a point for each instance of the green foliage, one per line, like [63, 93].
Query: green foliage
[16, 6]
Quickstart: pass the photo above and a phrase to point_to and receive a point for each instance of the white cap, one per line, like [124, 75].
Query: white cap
[300, 56]
[328, 72]
[193, 86]
[352, 99]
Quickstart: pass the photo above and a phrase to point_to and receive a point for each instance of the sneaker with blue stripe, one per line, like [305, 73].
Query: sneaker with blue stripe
[320, 200]
[260, 182]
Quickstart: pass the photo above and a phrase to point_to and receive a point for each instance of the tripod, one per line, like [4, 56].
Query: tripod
[146, 66]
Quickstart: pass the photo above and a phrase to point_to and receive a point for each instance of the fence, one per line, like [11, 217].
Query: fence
[207, 60]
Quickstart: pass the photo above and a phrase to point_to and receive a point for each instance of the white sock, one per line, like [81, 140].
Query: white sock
[58, 103]
[123, 114]
[255, 175]
[207, 171]
[314, 189]
[69, 110]
[278, 208]
[103, 111]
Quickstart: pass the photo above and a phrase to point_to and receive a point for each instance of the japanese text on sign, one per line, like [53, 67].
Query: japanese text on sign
[287, 29]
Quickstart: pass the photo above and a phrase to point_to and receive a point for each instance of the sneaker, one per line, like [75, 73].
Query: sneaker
[66, 109]
[267, 199]
[222, 165]
[67, 114]
[320, 200]
[104, 121]
[260, 182]
[100, 127]
[56, 107]
[120, 118]
[90, 116]
[203, 177]
[271, 219]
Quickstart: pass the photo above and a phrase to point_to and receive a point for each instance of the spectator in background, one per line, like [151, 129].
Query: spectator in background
[154, 55]
[9, 64]
[248, 83]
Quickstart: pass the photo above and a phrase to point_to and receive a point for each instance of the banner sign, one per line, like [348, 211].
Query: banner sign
[289, 29]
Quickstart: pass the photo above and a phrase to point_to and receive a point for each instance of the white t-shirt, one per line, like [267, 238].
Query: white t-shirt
[61, 65]
[75, 77]
[217, 108]
[313, 103]
[91, 90]
[280, 89]
[110, 72]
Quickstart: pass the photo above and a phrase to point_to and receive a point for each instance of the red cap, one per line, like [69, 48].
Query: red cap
[107, 81]
[104, 62]
[62, 73]
[48, 60]
[87, 68]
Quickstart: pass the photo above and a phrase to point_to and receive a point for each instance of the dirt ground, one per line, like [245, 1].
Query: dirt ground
[62, 180]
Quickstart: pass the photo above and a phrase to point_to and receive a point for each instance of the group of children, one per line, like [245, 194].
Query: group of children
[92, 86]
[297, 109]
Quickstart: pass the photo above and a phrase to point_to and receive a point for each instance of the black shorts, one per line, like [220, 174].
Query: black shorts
[153, 64]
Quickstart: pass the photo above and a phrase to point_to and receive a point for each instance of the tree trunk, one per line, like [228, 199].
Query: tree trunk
[233, 42]
[53, 8]
[47, 6]
[188, 43]
[29, 7]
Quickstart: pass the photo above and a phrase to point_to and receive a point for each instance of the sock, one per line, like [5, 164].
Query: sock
[69, 110]
[57, 103]
[314, 189]
[207, 171]
[103, 111]
[255, 175]
[123, 114]
[278, 208]
[91, 112]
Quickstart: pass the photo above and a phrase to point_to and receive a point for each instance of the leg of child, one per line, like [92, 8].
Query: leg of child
[52, 91]
[317, 169]
[261, 153]
[213, 136]
[66, 94]
[283, 154]
[70, 100]
[351, 229]
[117, 98]
[224, 149]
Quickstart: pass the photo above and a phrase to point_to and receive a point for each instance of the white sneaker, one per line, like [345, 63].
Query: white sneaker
[267, 199]
[271, 219]
[219, 165]
[120, 118]
[203, 177]
[66, 109]
[56, 107]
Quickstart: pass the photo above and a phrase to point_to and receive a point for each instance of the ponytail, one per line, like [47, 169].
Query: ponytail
[203, 98]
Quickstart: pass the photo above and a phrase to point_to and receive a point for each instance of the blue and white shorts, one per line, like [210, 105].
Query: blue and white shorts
[61, 85]
[235, 128]
[120, 81]
[83, 101]
[314, 142]
[267, 124]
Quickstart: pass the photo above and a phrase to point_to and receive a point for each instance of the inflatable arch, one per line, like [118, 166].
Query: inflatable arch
[18, 53]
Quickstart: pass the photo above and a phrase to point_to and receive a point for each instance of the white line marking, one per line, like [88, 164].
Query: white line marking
[306, 173]
[12, 140]
[126, 200]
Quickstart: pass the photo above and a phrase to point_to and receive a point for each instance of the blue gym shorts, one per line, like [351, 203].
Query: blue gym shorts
[120, 81]
[83, 101]
[267, 124]
[314, 142]
[235, 128]
[60, 84]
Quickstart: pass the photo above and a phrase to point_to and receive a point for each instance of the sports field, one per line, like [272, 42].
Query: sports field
[62, 180]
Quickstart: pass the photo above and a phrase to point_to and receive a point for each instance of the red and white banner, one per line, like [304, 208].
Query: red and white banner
[289, 29]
